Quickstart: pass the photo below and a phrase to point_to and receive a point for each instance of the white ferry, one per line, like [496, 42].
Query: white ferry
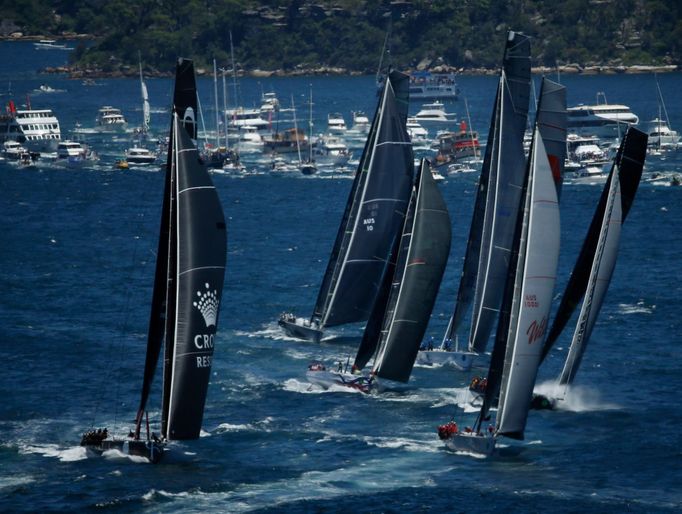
[425, 85]
[37, 129]
[602, 120]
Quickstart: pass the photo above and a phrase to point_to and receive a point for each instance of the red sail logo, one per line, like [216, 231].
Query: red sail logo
[536, 330]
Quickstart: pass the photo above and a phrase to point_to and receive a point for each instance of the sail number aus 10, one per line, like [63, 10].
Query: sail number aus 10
[369, 224]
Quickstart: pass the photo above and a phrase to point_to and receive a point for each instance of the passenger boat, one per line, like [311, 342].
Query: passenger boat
[37, 129]
[425, 85]
[602, 119]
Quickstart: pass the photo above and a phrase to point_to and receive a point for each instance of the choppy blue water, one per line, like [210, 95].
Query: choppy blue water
[76, 264]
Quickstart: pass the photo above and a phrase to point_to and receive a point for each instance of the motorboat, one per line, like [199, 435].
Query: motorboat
[50, 44]
[331, 150]
[14, 151]
[73, 153]
[661, 135]
[434, 111]
[416, 131]
[242, 117]
[336, 124]
[140, 156]
[110, 118]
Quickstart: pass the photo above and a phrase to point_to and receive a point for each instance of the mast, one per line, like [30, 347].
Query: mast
[497, 199]
[506, 179]
[217, 110]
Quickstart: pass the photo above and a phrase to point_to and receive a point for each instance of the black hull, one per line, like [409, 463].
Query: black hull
[151, 450]
[293, 329]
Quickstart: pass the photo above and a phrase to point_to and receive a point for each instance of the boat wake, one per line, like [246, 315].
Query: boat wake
[639, 308]
[70, 454]
[574, 398]
[297, 386]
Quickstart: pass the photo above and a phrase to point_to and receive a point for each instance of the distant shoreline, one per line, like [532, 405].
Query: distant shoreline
[124, 71]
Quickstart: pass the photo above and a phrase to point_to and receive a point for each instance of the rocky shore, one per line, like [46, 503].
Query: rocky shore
[76, 72]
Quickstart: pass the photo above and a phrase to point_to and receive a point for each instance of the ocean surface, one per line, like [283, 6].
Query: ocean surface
[76, 270]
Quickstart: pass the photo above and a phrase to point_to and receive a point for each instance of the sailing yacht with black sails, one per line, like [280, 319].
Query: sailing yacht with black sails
[372, 220]
[190, 270]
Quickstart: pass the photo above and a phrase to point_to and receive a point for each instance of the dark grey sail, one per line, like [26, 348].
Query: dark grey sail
[374, 214]
[628, 167]
[424, 250]
[189, 276]
[497, 200]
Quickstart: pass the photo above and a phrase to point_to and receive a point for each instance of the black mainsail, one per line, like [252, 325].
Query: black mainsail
[189, 275]
[497, 199]
[412, 284]
[595, 264]
[374, 213]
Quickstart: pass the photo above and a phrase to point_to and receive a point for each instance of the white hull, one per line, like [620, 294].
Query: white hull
[470, 442]
[461, 360]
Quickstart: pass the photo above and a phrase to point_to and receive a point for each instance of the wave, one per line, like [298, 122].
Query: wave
[638, 308]
[70, 454]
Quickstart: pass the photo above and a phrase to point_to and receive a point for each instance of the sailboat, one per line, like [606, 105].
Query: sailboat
[188, 285]
[497, 202]
[526, 304]
[594, 267]
[138, 155]
[407, 295]
[374, 215]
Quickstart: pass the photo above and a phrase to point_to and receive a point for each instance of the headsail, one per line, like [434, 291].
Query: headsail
[424, 250]
[374, 213]
[497, 199]
[627, 168]
[625, 176]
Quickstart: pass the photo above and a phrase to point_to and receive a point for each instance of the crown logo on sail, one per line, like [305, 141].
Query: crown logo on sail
[207, 304]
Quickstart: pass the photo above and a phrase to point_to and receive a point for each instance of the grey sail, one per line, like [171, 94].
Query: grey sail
[629, 162]
[606, 251]
[189, 275]
[497, 200]
[424, 250]
[376, 211]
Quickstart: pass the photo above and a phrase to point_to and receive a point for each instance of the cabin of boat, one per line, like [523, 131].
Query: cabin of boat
[335, 123]
[432, 112]
[38, 129]
[602, 119]
[138, 155]
[108, 116]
